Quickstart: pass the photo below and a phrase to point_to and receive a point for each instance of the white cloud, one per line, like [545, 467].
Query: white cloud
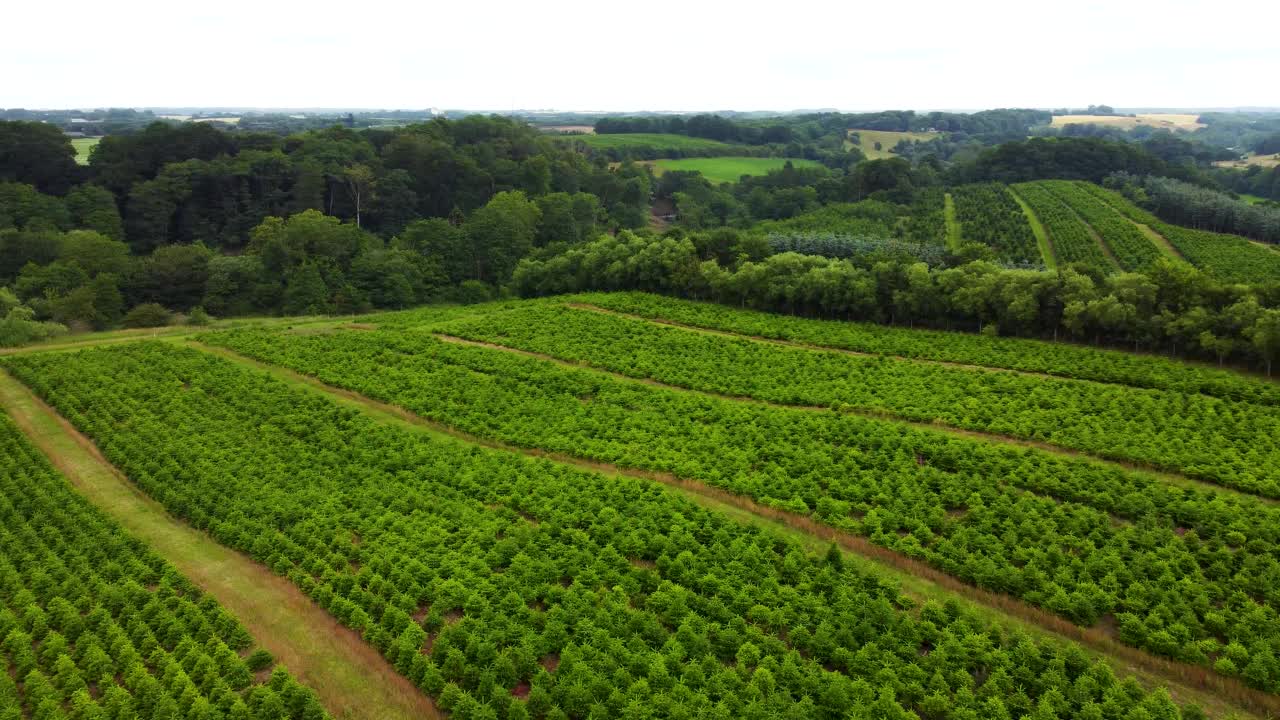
[574, 54]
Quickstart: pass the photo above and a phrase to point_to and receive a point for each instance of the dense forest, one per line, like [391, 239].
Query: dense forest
[199, 220]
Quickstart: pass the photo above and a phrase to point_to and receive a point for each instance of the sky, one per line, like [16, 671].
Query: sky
[657, 55]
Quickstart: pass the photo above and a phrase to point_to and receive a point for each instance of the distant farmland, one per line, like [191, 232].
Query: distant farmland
[83, 147]
[728, 169]
[866, 140]
[1266, 161]
[1168, 121]
[651, 141]
[568, 129]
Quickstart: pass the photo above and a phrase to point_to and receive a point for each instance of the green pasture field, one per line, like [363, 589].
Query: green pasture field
[729, 169]
[83, 147]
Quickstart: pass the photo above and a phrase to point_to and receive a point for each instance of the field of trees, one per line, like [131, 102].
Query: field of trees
[95, 625]
[514, 586]
[692, 416]
[990, 215]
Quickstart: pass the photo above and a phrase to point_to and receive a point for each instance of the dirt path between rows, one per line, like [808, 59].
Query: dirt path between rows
[350, 678]
[1187, 683]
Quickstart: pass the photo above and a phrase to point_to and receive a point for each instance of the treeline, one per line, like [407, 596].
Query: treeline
[307, 263]
[1201, 208]
[711, 127]
[990, 125]
[1267, 144]
[1253, 180]
[92, 123]
[985, 127]
[1063, 158]
[791, 192]
[1238, 130]
[180, 217]
[1171, 308]
[195, 183]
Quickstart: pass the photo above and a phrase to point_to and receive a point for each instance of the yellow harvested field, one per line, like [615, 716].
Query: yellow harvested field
[228, 120]
[585, 129]
[1168, 121]
[1266, 161]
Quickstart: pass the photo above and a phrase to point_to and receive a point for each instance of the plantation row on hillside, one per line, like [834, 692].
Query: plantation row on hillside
[1083, 222]
[93, 625]
[488, 578]
[1230, 257]
[1007, 519]
[990, 215]
[1232, 444]
[1035, 356]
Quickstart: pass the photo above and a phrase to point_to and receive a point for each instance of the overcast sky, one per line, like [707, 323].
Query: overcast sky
[661, 54]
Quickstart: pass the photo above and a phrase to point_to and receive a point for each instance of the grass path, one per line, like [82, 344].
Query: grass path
[1160, 241]
[1097, 238]
[955, 234]
[1187, 683]
[78, 341]
[1042, 235]
[351, 679]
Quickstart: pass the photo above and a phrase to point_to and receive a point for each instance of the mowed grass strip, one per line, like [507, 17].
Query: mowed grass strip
[1037, 228]
[729, 169]
[349, 676]
[83, 147]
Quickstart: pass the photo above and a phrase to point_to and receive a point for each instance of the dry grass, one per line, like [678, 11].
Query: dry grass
[1169, 121]
[1266, 161]
[349, 676]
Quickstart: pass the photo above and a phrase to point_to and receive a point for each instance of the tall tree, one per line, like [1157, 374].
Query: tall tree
[38, 154]
[500, 233]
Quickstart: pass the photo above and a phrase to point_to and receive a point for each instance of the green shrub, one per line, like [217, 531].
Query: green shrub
[199, 317]
[261, 659]
[148, 315]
